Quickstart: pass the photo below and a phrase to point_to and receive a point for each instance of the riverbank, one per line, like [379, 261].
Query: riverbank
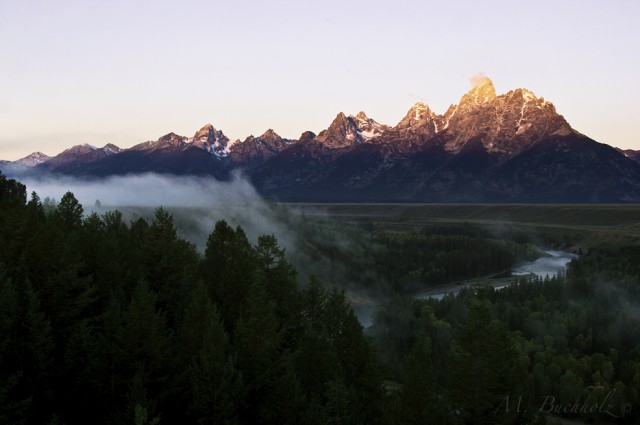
[551, 264]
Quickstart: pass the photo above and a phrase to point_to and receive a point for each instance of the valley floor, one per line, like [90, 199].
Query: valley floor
[570, 226]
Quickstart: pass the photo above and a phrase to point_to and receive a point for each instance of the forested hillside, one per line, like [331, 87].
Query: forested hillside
[109, 322]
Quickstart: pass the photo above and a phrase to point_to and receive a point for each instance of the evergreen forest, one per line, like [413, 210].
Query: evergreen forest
[109, 321]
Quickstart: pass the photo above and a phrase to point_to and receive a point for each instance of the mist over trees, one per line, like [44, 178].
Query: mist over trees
[110, 322]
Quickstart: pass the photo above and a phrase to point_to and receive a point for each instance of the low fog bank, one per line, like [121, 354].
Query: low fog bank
[195, 202]
[148, 190]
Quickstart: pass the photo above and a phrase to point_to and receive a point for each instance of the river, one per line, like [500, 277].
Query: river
[551, 264]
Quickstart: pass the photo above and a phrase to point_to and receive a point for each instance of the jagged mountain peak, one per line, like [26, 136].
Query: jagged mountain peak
[339, 124]
[342, 132]
[419, 113]
[418, 106]
[350, 130]
[505, 125]
[340, 119]
[172, 139]
[367, 128]
[360, 118]
[526, 94]
[111, 148]
[207, 127]
[482, 92]
[207, 132]
[342, 122]
[255, 151]
[169, 136]
[212, 140]
[307, 137]
[75, 156]
[270, 135]
[79, 149]
[33, 159]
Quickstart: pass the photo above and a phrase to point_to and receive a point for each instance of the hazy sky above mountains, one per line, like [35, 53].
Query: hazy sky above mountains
[125, 72]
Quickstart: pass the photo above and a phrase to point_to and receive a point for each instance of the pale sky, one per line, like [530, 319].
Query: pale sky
[124, 72]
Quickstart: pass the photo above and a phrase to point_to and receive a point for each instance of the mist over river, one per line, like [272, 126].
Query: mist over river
[550, 264]
[555, 262]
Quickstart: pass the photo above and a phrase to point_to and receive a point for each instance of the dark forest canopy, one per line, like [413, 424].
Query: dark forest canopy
[110, 322]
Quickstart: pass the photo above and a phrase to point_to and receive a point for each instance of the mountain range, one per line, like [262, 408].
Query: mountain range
[512, 147]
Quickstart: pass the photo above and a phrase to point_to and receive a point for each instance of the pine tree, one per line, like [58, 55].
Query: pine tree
[229, 271]
[285, 403]
[25, 355]
[144, 346]
[316, 362]
[13, 194]
[69, 212]
[166, 260]
[279, 279]
[257, 343]
[13, 232]
[13, 407]
[212, 380]
[335, 343]
[486, 373]
[108, 378]
[420, 401]
[35, 210]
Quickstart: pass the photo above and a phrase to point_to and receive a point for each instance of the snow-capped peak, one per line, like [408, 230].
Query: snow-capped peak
[342, 132]
[212, 140]
[111, 149]
[418, 114]
[367, 128]
[33, 159]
